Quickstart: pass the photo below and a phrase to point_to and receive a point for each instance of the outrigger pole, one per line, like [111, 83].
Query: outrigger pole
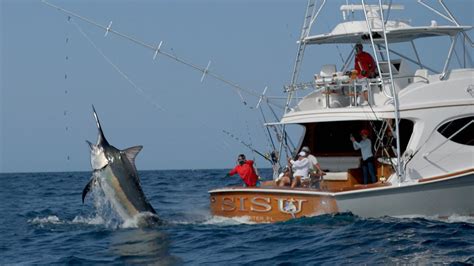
[158, 50]
[205, 71]
[312, 12]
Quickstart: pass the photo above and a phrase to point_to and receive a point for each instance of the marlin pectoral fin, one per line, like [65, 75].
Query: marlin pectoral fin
[87, 188]
[131, 153]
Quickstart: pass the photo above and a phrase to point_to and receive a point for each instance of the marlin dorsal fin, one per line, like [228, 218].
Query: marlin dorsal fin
[131, 153]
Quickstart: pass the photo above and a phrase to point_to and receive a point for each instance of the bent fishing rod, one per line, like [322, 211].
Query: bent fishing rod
[249, 147]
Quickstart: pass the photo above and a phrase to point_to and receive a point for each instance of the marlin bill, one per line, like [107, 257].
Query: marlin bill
[115, 173]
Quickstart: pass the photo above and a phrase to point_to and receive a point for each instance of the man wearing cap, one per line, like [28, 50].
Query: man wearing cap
[315, 170]
[300, 168]
[365, 146]
[364, 64]
[246, 171]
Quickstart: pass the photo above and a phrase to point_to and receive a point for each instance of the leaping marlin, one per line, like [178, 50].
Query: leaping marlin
[114, 170]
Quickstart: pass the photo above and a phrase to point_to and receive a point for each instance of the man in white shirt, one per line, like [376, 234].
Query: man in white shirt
[365, 146]
[315, 168]
[300, 168]
[315, 171]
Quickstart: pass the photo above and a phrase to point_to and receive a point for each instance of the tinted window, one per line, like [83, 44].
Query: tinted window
[466, 136]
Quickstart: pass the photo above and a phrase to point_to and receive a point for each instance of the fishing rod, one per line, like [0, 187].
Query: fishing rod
[158, 50]
[262, 98]
[258, 106]
[248, 146]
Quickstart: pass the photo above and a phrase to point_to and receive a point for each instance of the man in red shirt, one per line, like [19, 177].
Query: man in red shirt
[246, 171]
[364, 63]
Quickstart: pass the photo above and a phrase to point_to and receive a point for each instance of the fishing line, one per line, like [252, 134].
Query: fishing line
[65, 110]
[139, 90]
[157, 50]
[284, 131]
[266, 133]
[269, 136]
[248, 134]
[247, 145]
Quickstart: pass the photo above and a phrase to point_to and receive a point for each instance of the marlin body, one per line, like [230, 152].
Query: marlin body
[115, 172]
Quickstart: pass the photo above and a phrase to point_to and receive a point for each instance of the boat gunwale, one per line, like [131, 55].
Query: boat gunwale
[358, 189]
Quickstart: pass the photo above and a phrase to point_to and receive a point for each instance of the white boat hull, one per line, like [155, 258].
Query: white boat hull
[440, 197]
[437, 198]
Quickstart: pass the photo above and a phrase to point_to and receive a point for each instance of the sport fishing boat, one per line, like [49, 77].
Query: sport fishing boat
[421, 122]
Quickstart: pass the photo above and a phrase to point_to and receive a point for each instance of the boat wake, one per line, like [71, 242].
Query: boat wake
[206, 219]
[449, 219]
[338, 219]
[219, 220]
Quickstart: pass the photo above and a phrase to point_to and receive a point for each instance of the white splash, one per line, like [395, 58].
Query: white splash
[138, 220]
[219, 220]
[97, 220]
[52, 219]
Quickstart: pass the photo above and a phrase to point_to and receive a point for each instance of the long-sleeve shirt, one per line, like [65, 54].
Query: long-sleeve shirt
[365, 147]
[301, 167]
[246, 172]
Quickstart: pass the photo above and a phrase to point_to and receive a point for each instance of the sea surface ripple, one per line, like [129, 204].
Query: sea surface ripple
[43, 221]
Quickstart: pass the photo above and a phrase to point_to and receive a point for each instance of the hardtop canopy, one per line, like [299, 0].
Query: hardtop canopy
[356, 31]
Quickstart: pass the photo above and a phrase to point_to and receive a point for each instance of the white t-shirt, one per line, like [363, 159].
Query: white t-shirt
[300, 167]
[312, 159]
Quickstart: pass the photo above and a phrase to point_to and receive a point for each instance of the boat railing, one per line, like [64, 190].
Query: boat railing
[342, 90]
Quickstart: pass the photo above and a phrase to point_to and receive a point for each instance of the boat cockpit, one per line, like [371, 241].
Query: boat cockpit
[341, 164]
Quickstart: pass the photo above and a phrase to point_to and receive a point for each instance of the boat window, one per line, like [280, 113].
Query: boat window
[464, 125]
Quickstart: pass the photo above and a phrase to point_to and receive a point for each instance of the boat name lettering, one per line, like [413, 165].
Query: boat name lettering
[228, 204]
[261, 204]
[257, 201]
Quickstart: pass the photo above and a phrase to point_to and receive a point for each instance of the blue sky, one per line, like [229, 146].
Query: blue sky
[51, 75]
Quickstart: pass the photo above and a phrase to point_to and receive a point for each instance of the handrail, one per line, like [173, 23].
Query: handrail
[450, 137]
[450, 54]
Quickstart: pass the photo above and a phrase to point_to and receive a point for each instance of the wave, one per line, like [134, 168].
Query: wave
[139, 220]
[455, 218]
[54, 220]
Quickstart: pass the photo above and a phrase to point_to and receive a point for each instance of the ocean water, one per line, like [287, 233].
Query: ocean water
[43, 221]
